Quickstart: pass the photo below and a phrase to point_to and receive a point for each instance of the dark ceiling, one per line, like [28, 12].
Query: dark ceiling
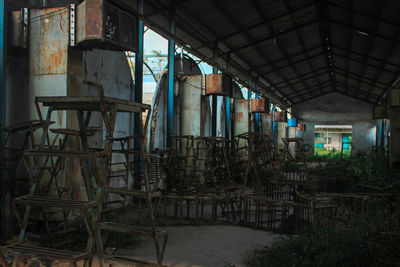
[299, 49]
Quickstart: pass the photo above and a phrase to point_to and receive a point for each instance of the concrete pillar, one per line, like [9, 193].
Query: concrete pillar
[242, 117]
[292, 134]
[242, 120]
[395, 137]
[191, 106]
[281, 134]
[266, 124]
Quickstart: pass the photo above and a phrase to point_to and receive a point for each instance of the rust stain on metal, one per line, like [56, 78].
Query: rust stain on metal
[239, 117]
[280, 116]
[301, 127]
[259, 105]
[216, 84]
[94, 19]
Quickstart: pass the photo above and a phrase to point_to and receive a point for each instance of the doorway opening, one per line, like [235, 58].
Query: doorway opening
[333, 141]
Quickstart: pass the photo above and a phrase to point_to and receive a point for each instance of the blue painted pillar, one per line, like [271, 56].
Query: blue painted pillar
[381, 135]
[171, 72]
[249, 89]
[228, 102]
[256, 115]
[139, 68]
[214, 97]
[249, 98]
[3, 53]
[138, 96]
[273, 124]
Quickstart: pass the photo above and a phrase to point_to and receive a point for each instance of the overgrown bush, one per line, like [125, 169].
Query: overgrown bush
[370, 165]
[368, 240]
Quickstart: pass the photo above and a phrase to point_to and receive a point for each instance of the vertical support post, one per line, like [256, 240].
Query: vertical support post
[381, 135]
[256, 115]
[3, 53]
[214, 97]
[138, 96]
[273, 125]
[250, 86]
[171, 72]
[139, 68]
[228, 102]
[249, 99]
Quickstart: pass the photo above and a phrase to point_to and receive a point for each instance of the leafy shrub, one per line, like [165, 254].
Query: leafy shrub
[372, 239]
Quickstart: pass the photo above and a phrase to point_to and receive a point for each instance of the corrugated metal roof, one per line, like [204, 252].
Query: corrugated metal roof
[301, 49]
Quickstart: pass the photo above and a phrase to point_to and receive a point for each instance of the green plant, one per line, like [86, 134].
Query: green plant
[370, 165]
[371, 239]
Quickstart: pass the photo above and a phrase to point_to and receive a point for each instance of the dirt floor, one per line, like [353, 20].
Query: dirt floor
[205, 245]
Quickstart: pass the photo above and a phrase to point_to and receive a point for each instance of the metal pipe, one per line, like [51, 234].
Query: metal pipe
[171, 71]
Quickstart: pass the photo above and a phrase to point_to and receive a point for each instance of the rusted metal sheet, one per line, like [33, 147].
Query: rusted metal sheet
[49, 35]
[48, 57]
[301, 127]
[218, 84]
[280, 116]
[380, 112]
[90, 20]
[260, 105]
[102, 25]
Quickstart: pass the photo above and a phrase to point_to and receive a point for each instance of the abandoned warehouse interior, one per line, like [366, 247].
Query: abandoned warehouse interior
[275, 116]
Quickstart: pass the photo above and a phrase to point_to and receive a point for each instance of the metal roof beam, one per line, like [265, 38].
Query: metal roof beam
[313, 97]
[294, 63]
[357, 76]
[224, 11]
[363, 63]
[300, 38]
[292, 56]
[364, 31]
[253, 26]
[357, 89]
[372, 41]
[270, 37]
[365, 15]
[319, 72]
[258, 9]
[352, 96]
[325, 35]
[380, 61]
[317, 86]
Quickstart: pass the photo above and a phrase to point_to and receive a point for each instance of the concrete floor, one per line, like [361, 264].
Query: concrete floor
[193, 246]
